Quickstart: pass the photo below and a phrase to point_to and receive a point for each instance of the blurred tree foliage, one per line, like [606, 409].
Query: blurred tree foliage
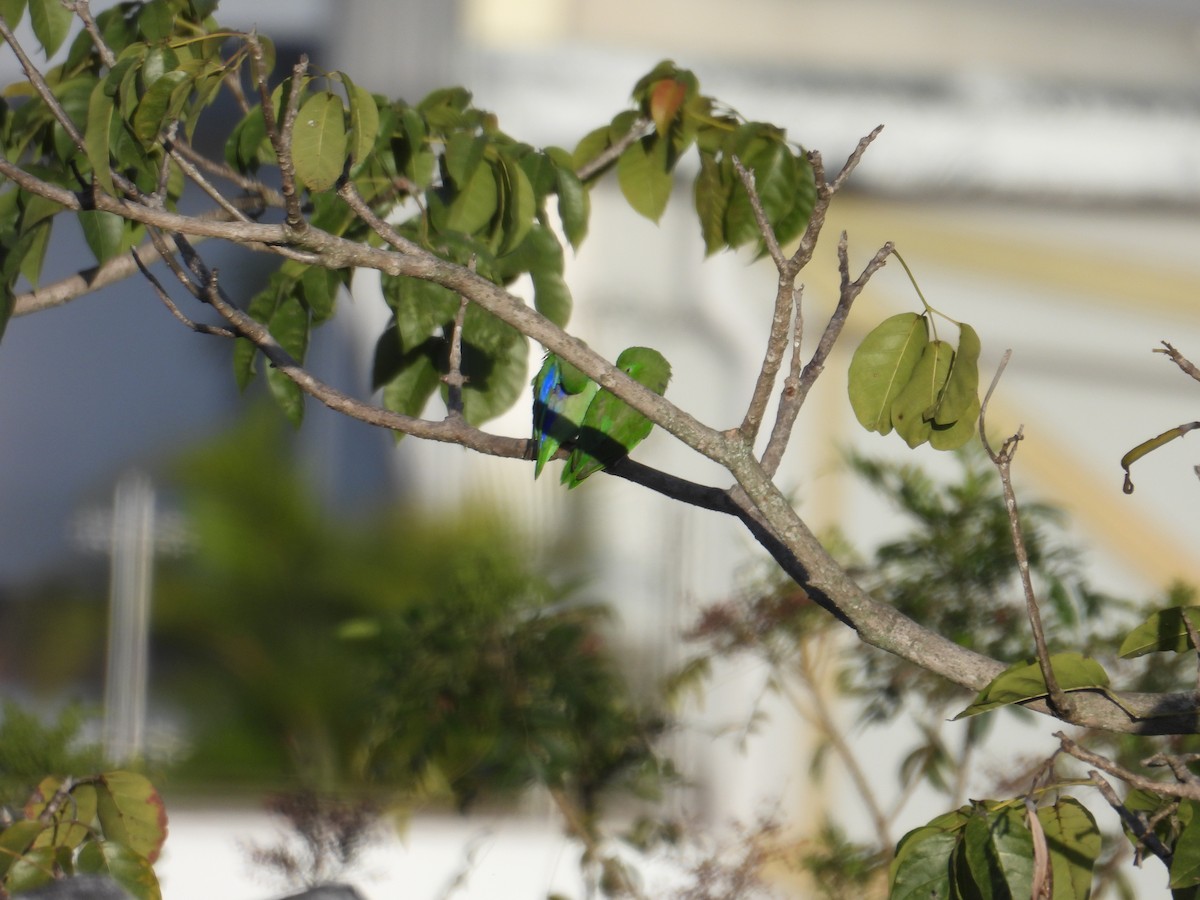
[31, 747]
[415, 651]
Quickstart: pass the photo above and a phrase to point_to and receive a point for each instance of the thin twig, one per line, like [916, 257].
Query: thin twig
[609, 155]
[825, 722]
[279, 132]
[1180, 360]
[1166, 789]
[83, 9]
[1059, 700]
[454, 378]
[770, 241]
[578, 828]
[1177, 764]
[266, 195]
[34, 77]
[1134, 821]
[198, 327]
[197, 178]
[796, 390]
[349, 192]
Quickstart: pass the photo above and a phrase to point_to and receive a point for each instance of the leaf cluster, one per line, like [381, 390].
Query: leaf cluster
[112, 824]
[925, 388]
[986, 849]
[669, 97]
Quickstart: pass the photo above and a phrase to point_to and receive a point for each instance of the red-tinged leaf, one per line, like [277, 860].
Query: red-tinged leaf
[132, 812]
[666, 97]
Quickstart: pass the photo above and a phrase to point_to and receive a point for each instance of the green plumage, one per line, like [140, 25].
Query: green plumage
[561, 395]
[611, 428]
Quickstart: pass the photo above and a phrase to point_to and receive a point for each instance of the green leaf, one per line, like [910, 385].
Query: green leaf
[420, 307]
[124, 866]
[1023, 681]
[132, 813]
[248, 145]
[552, 296]
[1185, 864]
[998, 851]
[319, 287]
[768, 158]
[156, 21]
[1074, 843]
[32, 870]
[12, 11]
[1153, 444]
[290, 327]
[158, 105]
[96, 136]
[962, 387]
[319, 141]
[34, 242]
[17, 839]
[364, 120]
[921, 867]
[104, 232]
[592, 145]
[882, 366]
[914, 406]
[574, 206]
[494, 360]
[1163, 630]
[644, 176]
[476, 202]
[711, 192]
[518, 204]
[414, 376]
[51, 21]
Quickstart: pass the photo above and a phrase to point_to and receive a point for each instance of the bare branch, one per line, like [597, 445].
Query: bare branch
[1134, 821]
[197, 327]
[796, 389]
[1180, 360]
[1059, 699]
[1190, 791]
[855, 158]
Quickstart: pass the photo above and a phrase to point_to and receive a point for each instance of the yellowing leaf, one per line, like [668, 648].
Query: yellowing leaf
[882, 366]
[132, 813]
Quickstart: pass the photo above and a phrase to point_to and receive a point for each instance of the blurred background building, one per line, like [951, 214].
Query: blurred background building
[1039, 169]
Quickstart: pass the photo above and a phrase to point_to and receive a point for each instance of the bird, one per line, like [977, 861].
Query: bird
[561, 396]
[610, 427]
